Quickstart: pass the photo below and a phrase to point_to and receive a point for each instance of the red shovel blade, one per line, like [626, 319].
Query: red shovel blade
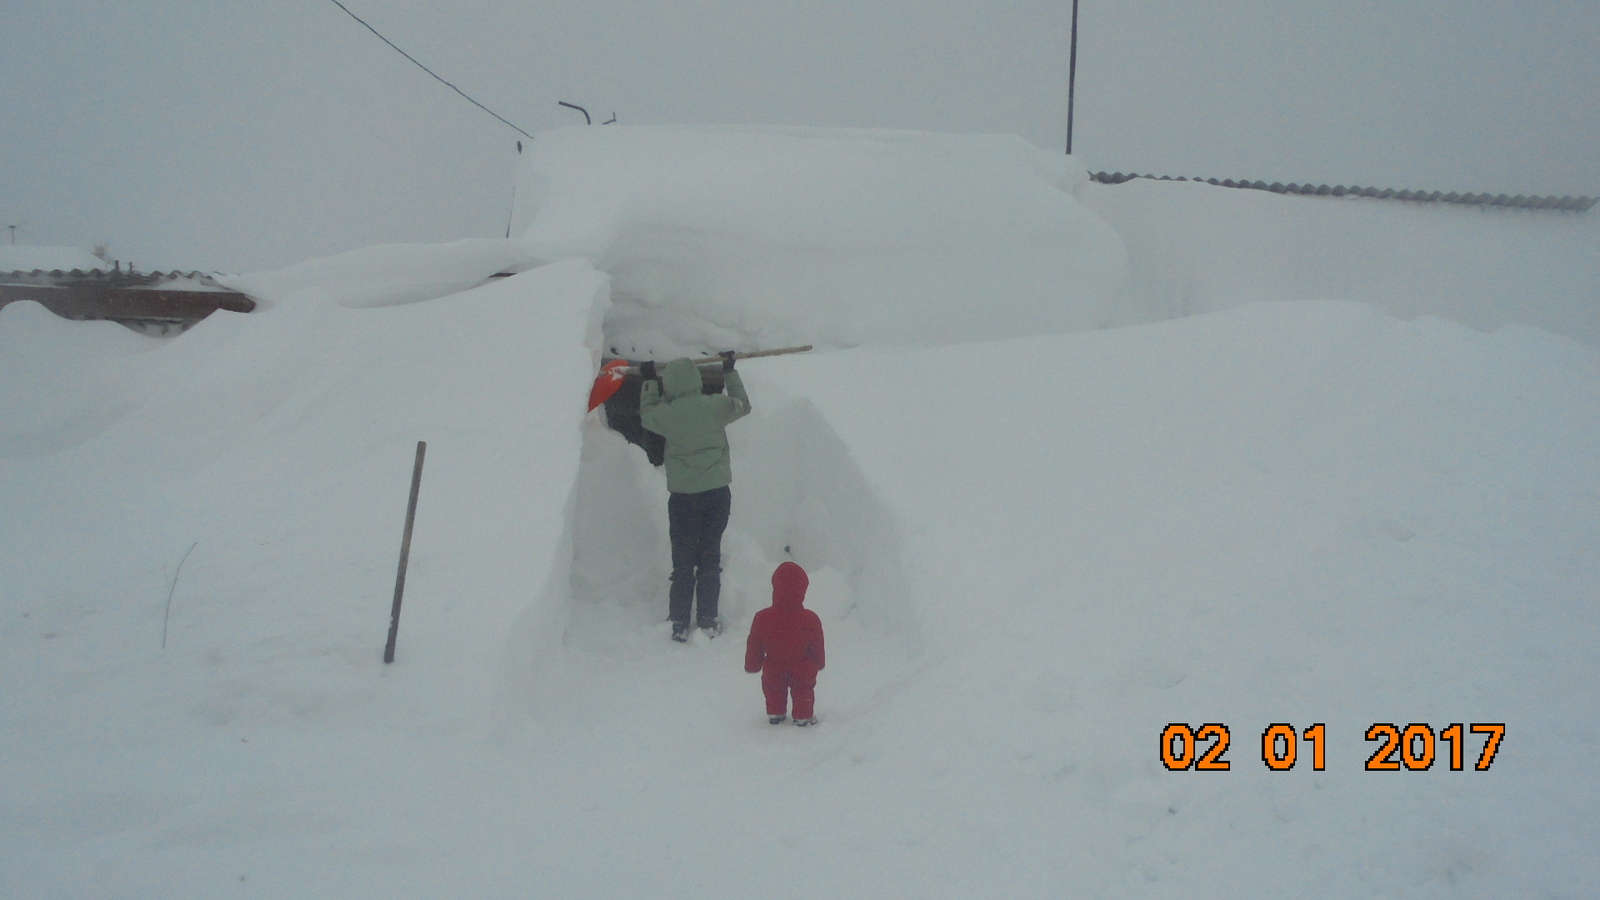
[607, 382]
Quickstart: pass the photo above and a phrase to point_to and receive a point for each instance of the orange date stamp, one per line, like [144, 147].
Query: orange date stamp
[1414, 748]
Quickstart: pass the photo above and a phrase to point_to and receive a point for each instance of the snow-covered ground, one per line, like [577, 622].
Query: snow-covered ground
[1071, 462]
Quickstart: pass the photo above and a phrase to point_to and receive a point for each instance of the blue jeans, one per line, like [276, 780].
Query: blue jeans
[696, 522]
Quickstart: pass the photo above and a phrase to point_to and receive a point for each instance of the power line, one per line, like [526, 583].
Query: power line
[426, 69]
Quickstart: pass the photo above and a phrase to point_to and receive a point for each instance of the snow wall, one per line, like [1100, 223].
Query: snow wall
[764, 237]
[279, 446]
[759, 238]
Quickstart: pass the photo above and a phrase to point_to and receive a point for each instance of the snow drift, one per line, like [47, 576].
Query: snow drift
[1195, 248]
[771, 237]
[389, 275]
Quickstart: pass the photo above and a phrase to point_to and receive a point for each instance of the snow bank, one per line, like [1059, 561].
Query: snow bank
[1197, 248]
[389, 274]
[1297, 513]
[62, 379]
[279, 445]
[766, 237]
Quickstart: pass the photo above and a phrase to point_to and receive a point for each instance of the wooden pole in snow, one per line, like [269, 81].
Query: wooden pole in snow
[405, 553]
[1072, 74]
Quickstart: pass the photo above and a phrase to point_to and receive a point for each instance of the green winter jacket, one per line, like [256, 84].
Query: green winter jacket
[693, 423]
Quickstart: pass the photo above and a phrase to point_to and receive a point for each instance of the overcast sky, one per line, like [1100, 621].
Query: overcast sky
[241, 136]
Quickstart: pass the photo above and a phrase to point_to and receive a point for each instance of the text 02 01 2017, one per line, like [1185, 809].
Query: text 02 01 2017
[1414, 748]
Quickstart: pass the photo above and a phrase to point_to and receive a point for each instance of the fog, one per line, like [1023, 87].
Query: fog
[244, 137]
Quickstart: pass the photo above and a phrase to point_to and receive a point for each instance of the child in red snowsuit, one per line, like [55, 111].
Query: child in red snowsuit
[785, 646]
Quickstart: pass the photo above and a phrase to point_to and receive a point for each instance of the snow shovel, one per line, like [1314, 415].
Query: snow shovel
[613, 372]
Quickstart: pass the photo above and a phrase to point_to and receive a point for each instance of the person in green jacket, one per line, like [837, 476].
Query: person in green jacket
[698, 474]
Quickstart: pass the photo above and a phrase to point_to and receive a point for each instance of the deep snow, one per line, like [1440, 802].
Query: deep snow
[27, 259]
[1034, 541]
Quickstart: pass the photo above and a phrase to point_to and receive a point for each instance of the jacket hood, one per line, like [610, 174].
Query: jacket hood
[681, 378]
[789, 585]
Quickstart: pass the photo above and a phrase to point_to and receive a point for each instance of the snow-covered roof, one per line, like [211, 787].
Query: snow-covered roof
[1568, 203]
[116, 278]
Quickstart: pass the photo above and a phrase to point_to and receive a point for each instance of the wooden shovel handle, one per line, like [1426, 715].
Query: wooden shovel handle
[705, 360]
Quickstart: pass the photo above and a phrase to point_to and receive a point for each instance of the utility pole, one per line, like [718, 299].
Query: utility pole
[1072, 74]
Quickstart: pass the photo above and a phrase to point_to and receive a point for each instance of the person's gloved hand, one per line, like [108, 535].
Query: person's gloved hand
[727, 360]
[647, 370]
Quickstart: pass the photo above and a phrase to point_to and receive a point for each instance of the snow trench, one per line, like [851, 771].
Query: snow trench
[599, 624]
[595, 642]
[796, 495]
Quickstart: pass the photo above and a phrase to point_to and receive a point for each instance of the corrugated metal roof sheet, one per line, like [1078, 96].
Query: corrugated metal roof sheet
[195, 280]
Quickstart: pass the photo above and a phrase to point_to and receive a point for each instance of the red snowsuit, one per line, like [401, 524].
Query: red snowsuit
[785, 645]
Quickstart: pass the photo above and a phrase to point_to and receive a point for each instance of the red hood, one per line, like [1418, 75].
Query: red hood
[789, 585]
